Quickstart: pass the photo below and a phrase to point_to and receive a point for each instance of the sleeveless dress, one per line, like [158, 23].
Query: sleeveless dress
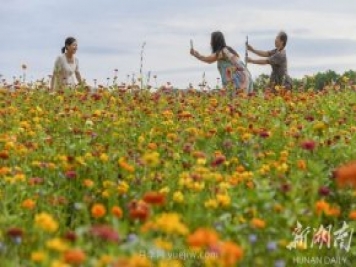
[66, 72]
[233, 70]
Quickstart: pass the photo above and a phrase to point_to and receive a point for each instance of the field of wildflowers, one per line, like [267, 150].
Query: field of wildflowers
[177, 178]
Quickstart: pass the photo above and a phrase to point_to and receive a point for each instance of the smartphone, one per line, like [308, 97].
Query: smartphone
[191, 44]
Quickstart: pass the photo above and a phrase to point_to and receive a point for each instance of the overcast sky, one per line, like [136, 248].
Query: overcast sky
[110, 33]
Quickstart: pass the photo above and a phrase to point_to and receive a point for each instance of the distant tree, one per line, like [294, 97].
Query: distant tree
[261, 82]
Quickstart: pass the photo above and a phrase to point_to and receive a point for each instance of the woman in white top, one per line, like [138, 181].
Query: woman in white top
[66, 67]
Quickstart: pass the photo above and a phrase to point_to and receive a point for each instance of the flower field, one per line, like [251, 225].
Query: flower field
[177, 178]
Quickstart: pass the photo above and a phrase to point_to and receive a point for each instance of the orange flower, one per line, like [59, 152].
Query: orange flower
[152, 146]
[322, 207]
[124, 165]
[74, 257]
[154, 198]
[333, 211]
[139, 210]
[258, 223]
[302, 165]
[28, 204]
[346, 175]
[203, 237]
[352, 215]
[98, 210]
[116, 211]
[4, 170]
[231, 253]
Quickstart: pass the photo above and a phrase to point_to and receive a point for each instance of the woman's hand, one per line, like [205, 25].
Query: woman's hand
[249, 47]
[194, 52]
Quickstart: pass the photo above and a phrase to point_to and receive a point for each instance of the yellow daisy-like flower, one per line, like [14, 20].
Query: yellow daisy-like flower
[38, 256]
[57, 244]
[178, 197]
[46, 222]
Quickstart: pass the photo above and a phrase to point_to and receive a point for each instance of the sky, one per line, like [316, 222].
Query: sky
[111, 33]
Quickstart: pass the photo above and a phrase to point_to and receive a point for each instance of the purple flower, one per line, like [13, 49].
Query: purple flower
[272, 245]
[252, 238]
[279, 263]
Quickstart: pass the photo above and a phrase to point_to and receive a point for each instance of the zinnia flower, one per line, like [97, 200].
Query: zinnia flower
[74, 256]
[98, 210]
[104, 232]
[345, 175]
[154, 198]
[308, 145]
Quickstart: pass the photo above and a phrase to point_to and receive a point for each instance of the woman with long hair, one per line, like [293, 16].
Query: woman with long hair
[232, 70]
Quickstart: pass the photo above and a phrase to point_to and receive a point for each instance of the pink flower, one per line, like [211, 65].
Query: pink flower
[104, 232]
[71, 174]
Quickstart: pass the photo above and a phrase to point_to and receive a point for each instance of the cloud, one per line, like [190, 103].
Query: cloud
[110, 34]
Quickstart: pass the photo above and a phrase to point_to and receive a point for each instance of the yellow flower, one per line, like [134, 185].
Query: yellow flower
[224, 200]
[201, 161]
[162, 244]
[104, 157]
[211, 203]
[122, 188]
[88, 183]
[105, 260]
[38, 256]
[139, 260]
[151, 159]
[178, 197]
[170, 223]
[170, 263]
[46, 222]
[58, 263]
[57, 244]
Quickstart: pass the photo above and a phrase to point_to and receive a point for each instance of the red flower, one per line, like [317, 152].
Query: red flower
[15, 232]
[139, 210]
[264, 134]
[308, 145]
[35, 181]
[70, 236]
[71, 174]
[218, 161]
[324, 191]
[104, 232]
[154, 198]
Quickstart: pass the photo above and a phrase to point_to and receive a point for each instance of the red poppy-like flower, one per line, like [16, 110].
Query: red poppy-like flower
[324, 191]
[218, 161]
[308, 145]
[154, 198]
[139, 210]
[70, 236]
[15, 232]
[35, 181]
[4, 154]
[104, 232]
[264, 134]
[71, 174]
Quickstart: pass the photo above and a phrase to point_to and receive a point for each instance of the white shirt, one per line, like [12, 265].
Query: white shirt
[66, 71]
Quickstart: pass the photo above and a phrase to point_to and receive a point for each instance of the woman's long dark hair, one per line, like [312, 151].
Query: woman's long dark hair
[218, 43]
[68, 42]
